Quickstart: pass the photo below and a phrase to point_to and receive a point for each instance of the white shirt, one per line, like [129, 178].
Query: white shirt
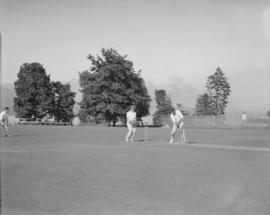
[244, 117]
[3, 116]
[131, 116]
[177, 117]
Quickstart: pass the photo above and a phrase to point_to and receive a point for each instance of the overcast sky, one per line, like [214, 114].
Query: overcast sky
[169, 40]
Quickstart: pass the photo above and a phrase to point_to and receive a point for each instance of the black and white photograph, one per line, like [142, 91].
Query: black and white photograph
[135, 107]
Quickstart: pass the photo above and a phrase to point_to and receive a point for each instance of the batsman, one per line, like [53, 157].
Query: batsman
[177, 120]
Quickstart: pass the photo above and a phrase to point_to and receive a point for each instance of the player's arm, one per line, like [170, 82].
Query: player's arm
[173, 119]
[181, 123]
[181, 116]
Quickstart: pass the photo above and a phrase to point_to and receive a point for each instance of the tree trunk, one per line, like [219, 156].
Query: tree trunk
[58, 111]
[114, 121]
[141, 121]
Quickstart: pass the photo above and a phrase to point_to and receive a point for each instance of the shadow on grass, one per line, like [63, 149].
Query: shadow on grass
[150, 139]
[145, 140]
[192, 142]
[22, 135]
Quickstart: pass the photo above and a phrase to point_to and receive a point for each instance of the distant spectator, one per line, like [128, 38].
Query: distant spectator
[244, 119]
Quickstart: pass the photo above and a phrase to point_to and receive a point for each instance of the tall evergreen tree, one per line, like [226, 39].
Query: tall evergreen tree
[111, 86]
[33, 92]
[63, 101]
[218, 89]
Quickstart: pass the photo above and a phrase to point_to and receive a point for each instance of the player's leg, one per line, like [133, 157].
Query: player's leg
[129, 132]
[173, 132]
[133, 133]
[5, 128]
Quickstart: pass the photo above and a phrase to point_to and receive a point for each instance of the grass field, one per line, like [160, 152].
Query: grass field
[86, 170]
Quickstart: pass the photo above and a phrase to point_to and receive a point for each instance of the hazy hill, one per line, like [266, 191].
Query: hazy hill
[178, 90]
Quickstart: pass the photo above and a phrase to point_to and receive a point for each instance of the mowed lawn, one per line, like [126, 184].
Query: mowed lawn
[87, 170]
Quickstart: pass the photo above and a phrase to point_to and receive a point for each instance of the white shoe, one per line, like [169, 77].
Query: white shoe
[126, 139]
[171, 141]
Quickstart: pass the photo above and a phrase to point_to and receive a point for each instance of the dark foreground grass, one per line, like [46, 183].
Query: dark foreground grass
[81, 171]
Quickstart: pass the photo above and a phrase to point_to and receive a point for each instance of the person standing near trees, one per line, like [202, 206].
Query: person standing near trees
[4, 120]
[131, 120]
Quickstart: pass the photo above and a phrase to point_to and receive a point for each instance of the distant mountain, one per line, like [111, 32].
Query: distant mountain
[178, 90]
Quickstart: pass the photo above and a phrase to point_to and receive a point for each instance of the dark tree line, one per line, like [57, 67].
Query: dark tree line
[109, 88]
[37, 96]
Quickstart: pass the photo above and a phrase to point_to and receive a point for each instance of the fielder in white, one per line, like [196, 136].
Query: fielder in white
[177, 120]
[131, 120]
[4, 120]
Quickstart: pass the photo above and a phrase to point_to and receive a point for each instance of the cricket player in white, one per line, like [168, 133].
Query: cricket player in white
[177, 120]
[4, 120]
[131, 120]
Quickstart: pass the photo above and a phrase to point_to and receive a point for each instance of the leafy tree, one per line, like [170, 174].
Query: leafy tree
[203, 105]
[218, 89]
[82, 114]
[63, 101]
[142, 101]
[33, 93]
[164, 106]
[111, 86]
